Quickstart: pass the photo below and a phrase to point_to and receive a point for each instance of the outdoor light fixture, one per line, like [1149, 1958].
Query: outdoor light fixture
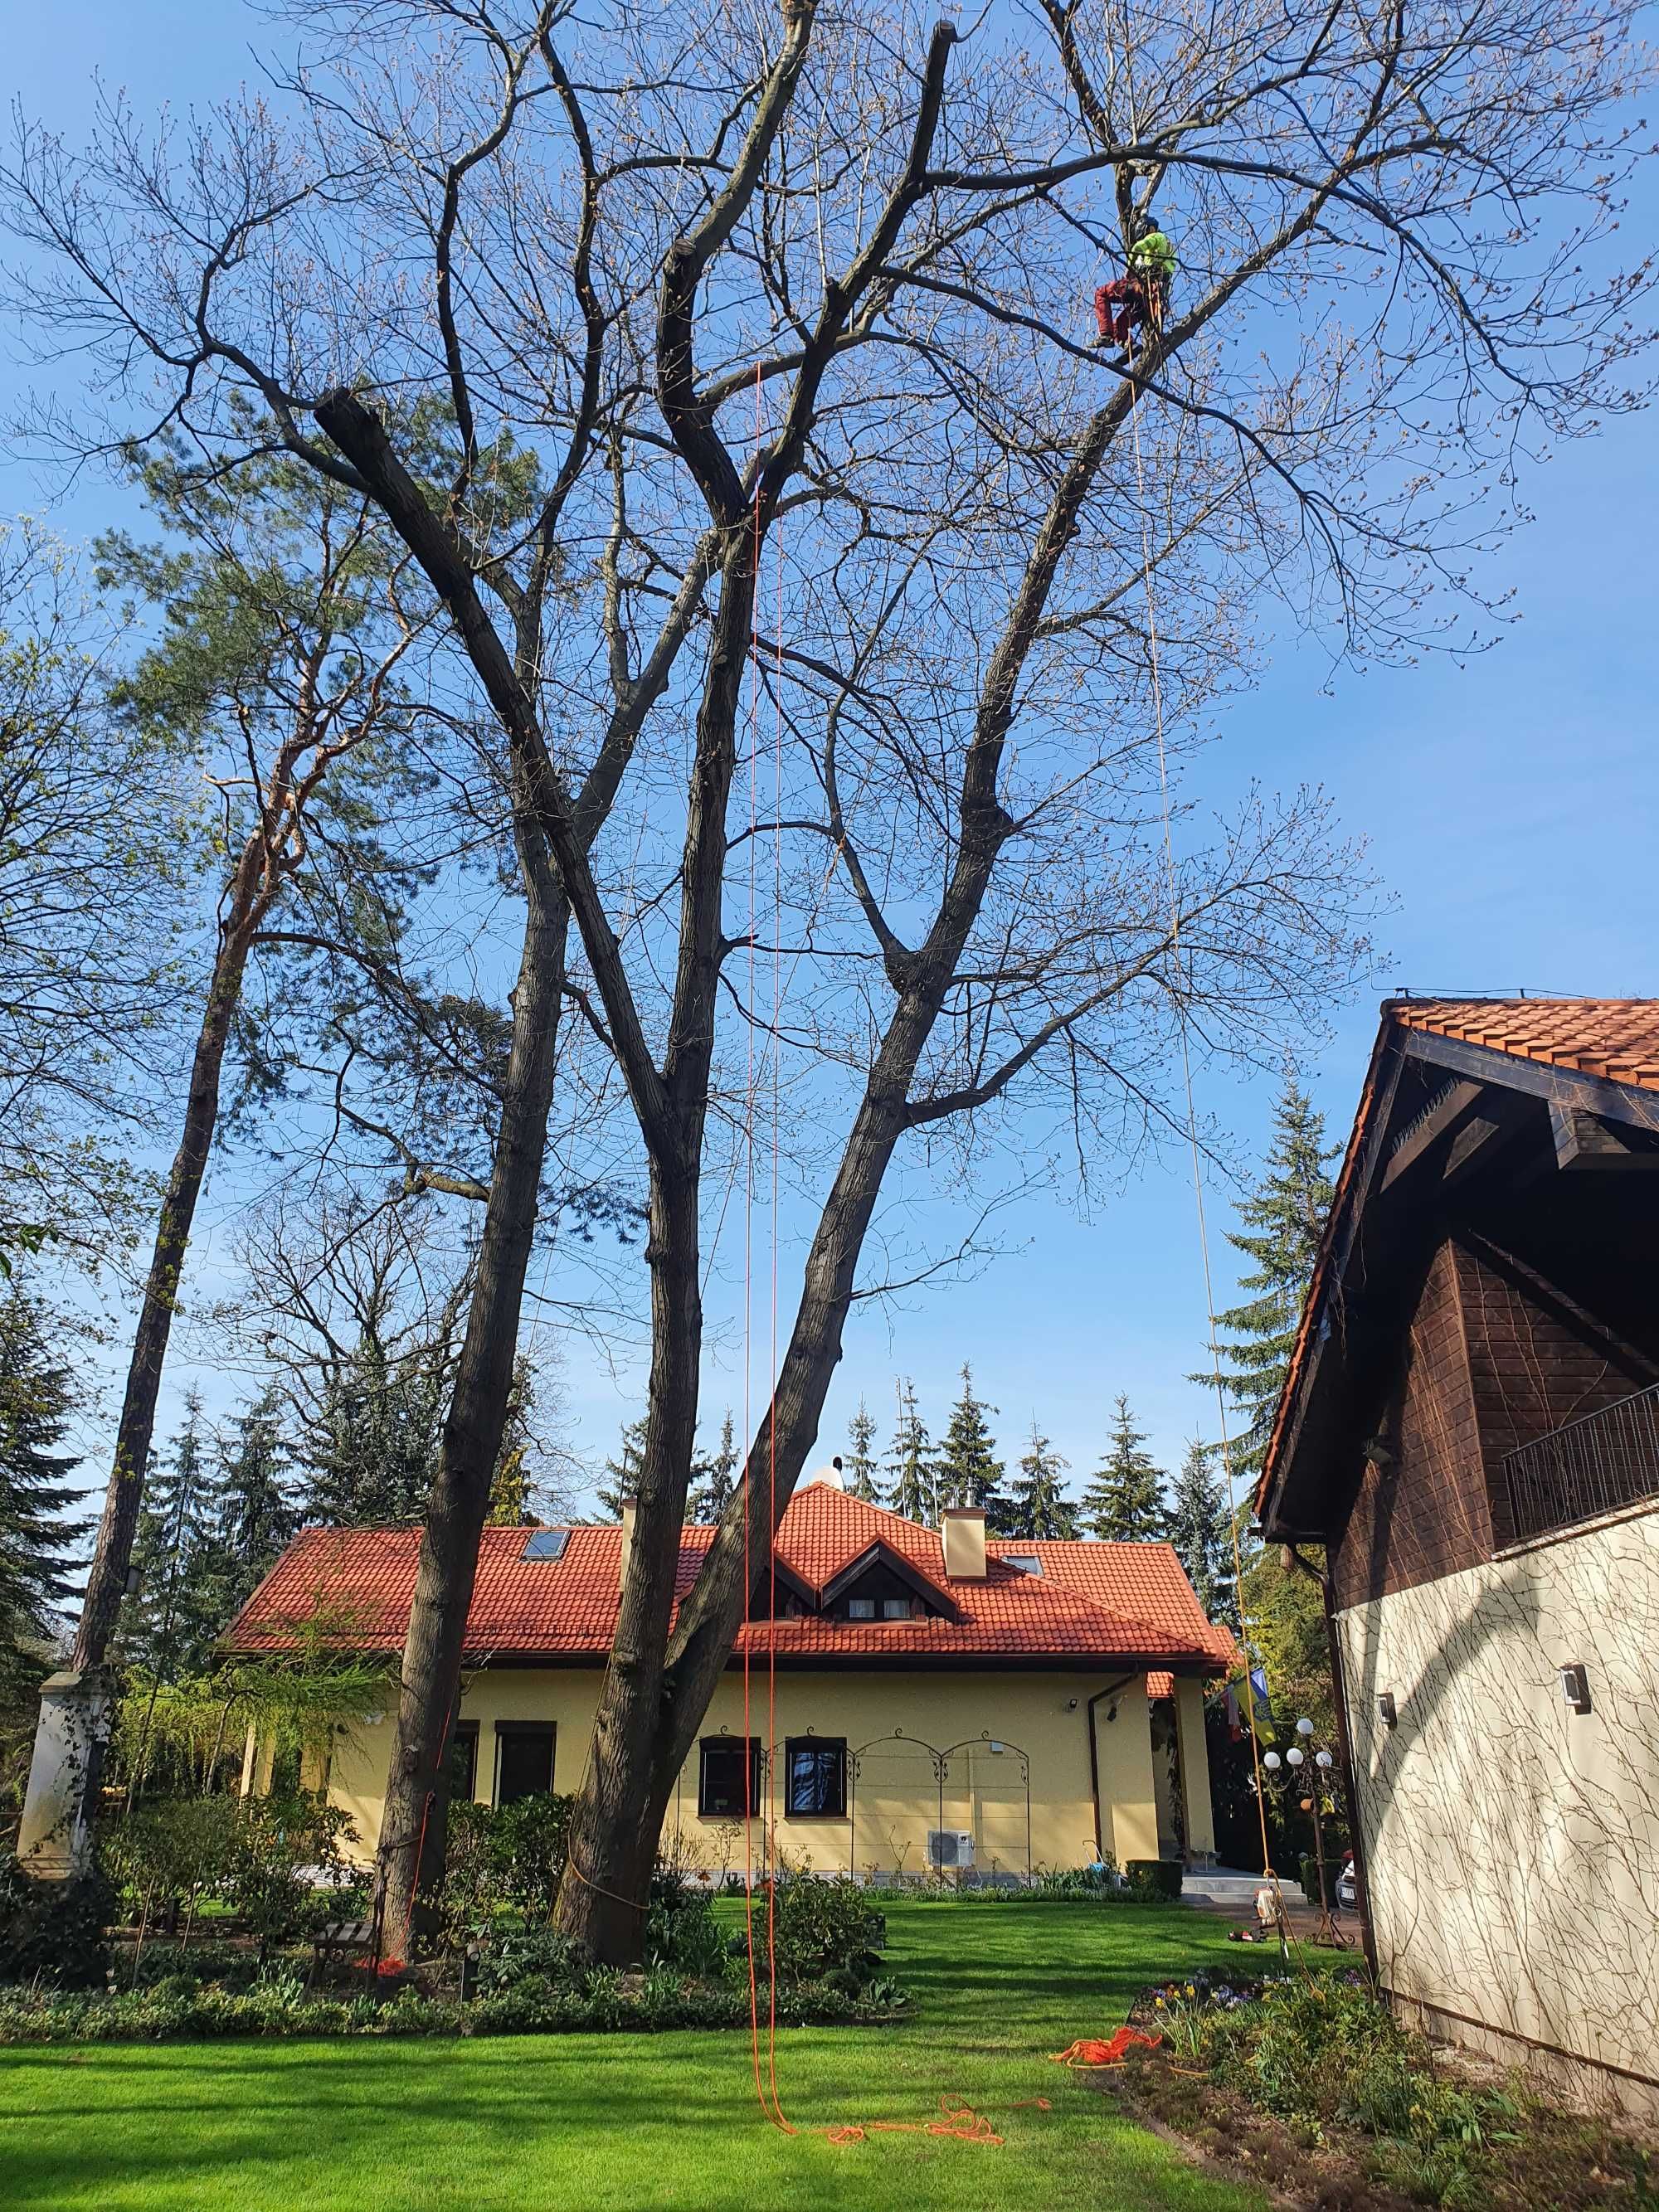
[1575, 1688]
[1386, 1712]
[1271, 1761]
[1295, 1757]
[1305, 1726]
[1323, 1758]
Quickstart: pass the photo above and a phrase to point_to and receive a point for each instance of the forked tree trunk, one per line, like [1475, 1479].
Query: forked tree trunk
[414, 1820]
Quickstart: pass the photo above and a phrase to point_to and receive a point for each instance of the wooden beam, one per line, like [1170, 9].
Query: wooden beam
[1584, 1139]
[1444, 1114]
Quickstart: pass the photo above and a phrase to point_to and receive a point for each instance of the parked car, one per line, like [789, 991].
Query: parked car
[1347, 1886]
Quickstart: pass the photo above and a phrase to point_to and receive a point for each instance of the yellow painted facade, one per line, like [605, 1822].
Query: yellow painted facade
[995, 1730]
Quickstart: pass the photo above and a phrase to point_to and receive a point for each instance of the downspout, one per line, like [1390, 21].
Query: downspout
[1338, 1683]
[1111, 1690]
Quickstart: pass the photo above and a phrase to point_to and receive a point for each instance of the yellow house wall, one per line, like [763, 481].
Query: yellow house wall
[894, 1798]
[1511, 1844]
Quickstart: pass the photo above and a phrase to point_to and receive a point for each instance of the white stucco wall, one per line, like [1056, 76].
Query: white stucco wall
[1512, 1844]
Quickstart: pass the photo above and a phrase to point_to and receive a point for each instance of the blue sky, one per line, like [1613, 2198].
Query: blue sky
[1509, 805]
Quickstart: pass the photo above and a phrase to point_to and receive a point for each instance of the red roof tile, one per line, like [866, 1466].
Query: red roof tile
[1092, 1602]
[1616, 1039]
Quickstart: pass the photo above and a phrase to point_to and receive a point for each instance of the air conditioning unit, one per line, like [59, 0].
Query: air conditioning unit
[950, 1847]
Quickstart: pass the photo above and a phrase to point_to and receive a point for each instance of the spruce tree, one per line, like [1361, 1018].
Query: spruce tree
[170, 1620]
[909, 1469]
[1122, 1499]
[373, 1448]
[37, 1540]
[257, 1515]
[1198, 1529]
[969, 1472]
[859, 1466]
[714, 1479]
[1039, 1506]
[623, 1473]
[1282, 1220]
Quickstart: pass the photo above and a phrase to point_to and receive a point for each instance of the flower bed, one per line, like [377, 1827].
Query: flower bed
[1307, 2083]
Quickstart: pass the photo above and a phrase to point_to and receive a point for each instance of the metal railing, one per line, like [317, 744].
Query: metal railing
[1596, 1464]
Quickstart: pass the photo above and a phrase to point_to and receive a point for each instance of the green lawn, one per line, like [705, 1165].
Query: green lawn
[607, 2124]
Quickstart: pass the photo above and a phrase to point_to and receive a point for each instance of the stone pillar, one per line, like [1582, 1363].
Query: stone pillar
[54, 1839]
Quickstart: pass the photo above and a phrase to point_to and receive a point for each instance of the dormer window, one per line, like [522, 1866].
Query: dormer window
[897, 1608]
[1027, 1562]
[860, 1608]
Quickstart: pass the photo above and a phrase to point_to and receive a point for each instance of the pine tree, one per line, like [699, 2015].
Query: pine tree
[1039, 1506]
[37, 1395]
[1198, 1529]
[624, 1472]
[170, 1620]
[1123, 1500]
[257, 1515]
[373, 1448]
[1283, 1219]
[714, 1479]
[909, 1469]
[859, 1466]
[969, 1471]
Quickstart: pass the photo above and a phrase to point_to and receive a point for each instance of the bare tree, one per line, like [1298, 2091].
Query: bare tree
[824, 665]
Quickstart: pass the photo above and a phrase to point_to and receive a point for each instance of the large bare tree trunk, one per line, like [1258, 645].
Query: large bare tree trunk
[111, 1559]
[415, 1820]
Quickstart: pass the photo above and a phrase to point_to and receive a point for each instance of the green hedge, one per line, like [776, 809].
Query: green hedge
[1159, 1878]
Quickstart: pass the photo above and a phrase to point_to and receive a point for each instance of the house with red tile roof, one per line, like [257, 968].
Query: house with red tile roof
[901, 1697]
[1470, 1430]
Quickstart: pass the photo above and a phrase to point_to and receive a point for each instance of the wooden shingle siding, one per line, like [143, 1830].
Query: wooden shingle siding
[1422, 1513]
[1494, 1357]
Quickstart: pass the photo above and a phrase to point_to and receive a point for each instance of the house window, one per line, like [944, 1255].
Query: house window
[464, 1761]
[1027, 1562]
[524, 1761]
[815, 1784]
[860, 1608]
[720, 1779]
[895, 1608]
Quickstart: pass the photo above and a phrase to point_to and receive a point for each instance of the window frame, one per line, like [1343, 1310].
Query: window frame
[506, 1731]
[464, 1732]
[725, 1745]
[793, 1744]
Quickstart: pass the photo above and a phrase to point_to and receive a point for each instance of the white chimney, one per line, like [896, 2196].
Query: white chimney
[962, 1527]
[628, 1506]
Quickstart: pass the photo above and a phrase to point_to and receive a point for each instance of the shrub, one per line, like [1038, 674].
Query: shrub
[53, 1931]
[167, 1850]
[279, 1845]
[827, 1926]
[512, 1954]
[1158, 1879]
[510, 1858]
[681, 1933]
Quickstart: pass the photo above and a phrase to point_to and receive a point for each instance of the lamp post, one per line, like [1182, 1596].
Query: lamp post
[1324, 1762]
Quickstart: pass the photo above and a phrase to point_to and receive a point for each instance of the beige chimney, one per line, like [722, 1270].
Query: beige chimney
[964, 1529]
[628, 1506]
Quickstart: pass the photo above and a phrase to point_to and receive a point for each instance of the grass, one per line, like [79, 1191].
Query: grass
[614, 2122]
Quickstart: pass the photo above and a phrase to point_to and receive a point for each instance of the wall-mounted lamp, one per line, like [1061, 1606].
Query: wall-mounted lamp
[1575, 1688]
[1387, 1711]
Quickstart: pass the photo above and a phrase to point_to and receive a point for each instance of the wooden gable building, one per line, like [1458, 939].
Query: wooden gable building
[1470, 1428]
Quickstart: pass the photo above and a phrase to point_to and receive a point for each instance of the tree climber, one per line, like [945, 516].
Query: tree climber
[1141, 295]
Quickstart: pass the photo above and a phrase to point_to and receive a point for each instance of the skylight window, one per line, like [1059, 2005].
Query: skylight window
[1028, 1562]
[546, 1544]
